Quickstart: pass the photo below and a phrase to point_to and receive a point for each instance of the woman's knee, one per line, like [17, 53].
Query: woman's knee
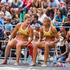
[9, 45]
[19, 45]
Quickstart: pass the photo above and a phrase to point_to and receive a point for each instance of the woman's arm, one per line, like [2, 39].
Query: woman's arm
[13, 34]
[56, 34]
[65, 51]
[30, 32]
[41, 34]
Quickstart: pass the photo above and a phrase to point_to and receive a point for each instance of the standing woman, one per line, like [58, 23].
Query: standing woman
[19, 38]
[47, 41]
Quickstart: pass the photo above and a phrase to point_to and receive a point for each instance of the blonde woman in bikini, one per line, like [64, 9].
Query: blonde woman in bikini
[48, 39]
[19, 38]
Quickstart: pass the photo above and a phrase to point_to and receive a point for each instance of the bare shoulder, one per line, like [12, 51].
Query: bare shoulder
[53, 29]
[18, 25]
[41, 28]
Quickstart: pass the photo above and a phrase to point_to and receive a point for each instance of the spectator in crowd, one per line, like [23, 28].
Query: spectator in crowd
[44, 4]
[24, 9]
[42, 15]
[35, 23]
[17, 4]
[67, 4]
[58, 19]
[66, 22]
[19, 38]
[62, 45]
[53, 4]
[7, 14]
[68, 39]
[36, 3]
[67, 19]
[4, 1]
[59, 16]
[1, 18]
[8, 27]
[50, 13]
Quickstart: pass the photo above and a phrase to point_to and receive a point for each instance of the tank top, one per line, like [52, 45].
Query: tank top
[23, 31]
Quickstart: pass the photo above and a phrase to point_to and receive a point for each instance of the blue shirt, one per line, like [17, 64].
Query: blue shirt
[8, 27]
[59, 19]
[1, 22]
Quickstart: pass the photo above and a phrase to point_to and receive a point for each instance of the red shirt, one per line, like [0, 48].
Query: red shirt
[27, 3]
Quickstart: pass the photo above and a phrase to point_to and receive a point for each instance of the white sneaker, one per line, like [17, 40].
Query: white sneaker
[16, 63]
[32, 64]
[40, 56]
[44, 65]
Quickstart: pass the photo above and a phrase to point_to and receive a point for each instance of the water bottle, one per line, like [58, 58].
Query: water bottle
[55, 60]
[29, 59]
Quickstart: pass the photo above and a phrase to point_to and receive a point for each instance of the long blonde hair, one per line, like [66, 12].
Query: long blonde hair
[26, 16]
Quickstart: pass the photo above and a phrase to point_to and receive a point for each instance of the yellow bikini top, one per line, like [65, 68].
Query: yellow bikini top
[23, 31]
[48, 33]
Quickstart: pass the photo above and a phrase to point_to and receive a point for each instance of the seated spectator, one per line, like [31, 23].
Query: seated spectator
[3, 1]
[44, 4]
[58, 19]
[53, 4]
[1, 18]
[19, 38]
[7, 15]
[62, 45]
[62, 3]
[47, 41]
[67, 4]
[66, 22]
[41, 15]
[24, 9]
[17, 3]
[8, 27]
[50, 13]
[68, 39]
[36, 3]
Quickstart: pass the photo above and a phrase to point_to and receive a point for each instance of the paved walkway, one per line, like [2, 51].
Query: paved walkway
[33, 68]
[27, 67]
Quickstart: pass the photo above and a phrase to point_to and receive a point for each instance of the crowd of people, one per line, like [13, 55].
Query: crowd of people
[38, 25]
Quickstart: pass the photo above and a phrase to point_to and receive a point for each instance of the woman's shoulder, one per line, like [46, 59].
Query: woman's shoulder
[53, 28]
[18, 25]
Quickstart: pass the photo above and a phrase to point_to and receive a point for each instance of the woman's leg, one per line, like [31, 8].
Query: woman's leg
[34, 52]
[68, 59]
[11, 44]
[18, 53]
[47, 47]
[19, 46]
[46, 53]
